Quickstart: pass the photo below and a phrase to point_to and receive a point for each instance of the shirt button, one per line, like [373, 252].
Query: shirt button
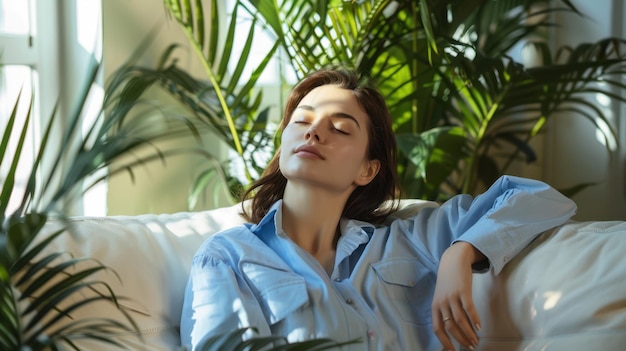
[338, 279]
[349, 301]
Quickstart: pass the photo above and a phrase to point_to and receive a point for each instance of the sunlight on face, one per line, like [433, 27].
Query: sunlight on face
[330, 121]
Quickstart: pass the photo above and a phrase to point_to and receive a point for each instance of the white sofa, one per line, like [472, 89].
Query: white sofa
[566, 291]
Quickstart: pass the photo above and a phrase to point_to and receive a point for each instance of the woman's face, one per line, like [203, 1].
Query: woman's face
[325, 142]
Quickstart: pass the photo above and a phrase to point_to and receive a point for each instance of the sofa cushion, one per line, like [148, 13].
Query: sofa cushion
[151, 255]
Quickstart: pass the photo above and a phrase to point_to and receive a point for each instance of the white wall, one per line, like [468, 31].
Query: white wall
[573, 153]
[159, 188]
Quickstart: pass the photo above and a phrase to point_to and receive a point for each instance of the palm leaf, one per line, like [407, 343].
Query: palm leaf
[232, 96]
[9, 181]
[232, 341]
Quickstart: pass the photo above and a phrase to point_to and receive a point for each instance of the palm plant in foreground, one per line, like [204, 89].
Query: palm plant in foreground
[233, 342]
[39, 289]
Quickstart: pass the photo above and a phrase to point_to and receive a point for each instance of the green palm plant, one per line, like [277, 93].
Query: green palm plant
[39, 289]
[228, 102]
[233, 342]
[464, 110]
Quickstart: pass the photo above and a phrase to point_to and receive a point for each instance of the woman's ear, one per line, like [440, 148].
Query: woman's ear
[368, 172]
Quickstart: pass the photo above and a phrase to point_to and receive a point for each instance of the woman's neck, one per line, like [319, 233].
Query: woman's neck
[311, 219]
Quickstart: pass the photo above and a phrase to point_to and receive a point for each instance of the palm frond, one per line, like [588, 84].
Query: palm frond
[232, 341]
[236, 100]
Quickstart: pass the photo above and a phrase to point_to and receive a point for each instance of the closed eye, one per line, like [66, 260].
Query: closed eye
[340, 131]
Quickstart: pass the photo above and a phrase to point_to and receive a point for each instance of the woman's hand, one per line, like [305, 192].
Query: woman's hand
[453, 311]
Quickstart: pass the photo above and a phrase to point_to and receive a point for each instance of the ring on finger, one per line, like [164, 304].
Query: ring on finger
[445, 319]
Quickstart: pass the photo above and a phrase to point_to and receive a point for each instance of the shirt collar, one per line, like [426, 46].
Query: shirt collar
[269, 218]
[354, 233]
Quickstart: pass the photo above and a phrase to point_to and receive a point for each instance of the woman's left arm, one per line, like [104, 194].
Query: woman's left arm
[490, 229]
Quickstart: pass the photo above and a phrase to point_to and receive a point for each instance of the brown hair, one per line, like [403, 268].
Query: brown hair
[366, 203]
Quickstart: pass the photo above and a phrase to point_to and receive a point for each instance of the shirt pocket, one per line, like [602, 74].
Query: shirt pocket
[409, 287]
[278, 291]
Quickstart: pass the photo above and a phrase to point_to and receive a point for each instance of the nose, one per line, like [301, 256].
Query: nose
[313, 132]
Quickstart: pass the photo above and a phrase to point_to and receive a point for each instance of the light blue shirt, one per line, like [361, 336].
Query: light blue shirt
[382, 285]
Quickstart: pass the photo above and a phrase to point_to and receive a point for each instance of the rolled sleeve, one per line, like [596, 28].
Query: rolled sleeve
[520, 210]
[499, 223]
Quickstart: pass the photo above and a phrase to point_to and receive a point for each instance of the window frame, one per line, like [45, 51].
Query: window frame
[52, 52]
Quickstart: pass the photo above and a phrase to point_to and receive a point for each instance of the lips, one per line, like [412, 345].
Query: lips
[308, 151]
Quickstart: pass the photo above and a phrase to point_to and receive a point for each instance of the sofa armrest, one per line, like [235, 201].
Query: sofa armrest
[565, 291]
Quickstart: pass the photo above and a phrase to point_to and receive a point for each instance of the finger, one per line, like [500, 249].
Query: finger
[471, 322]
[439, 321]
[454, 328]
[472, 313]
[462, 329]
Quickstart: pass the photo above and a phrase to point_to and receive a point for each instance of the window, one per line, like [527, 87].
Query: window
[32, 41]
[17, 74]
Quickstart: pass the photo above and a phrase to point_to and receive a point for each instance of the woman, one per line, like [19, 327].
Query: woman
[316, 262]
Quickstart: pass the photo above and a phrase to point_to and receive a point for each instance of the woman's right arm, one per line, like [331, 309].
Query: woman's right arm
[217, 302]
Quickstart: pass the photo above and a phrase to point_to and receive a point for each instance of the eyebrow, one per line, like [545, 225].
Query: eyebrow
[334, 114]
